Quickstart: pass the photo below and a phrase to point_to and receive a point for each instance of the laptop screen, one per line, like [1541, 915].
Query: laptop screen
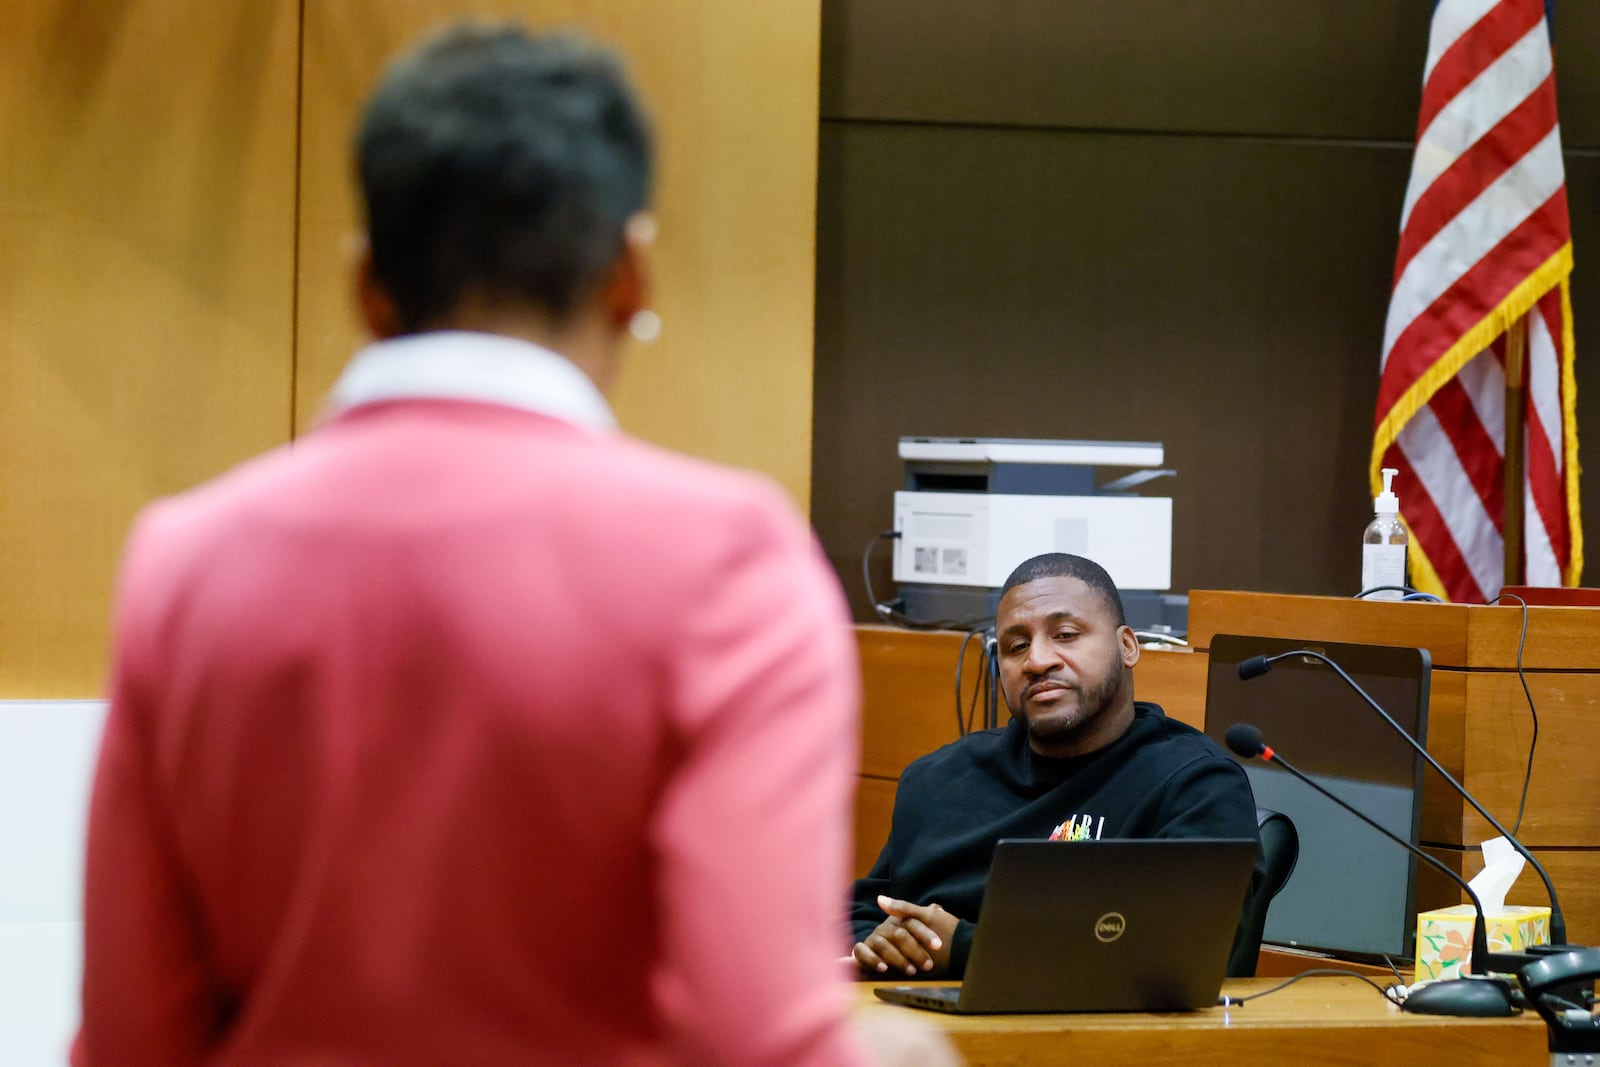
[1352, 891]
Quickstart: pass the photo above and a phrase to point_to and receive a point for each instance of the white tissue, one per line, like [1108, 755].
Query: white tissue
[1502, 864]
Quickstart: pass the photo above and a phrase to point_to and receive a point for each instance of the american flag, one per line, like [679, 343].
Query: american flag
[1481, 282]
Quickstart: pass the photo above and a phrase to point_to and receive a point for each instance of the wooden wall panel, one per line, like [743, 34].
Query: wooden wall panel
[1456, 635]
[874, 815]
[908, 694]
[1322, 68]
[732, 86]
[146, 290]
[1333, 68]
[1175, 680]
[1563, 795]
[1577, 46]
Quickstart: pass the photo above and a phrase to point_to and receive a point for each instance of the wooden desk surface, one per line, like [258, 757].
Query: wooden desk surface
[1315, 1021]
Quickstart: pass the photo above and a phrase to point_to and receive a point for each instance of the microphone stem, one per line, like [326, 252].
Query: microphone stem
[1480, 935]
[1558, 922]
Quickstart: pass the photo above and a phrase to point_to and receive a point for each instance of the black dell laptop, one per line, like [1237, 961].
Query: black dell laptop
[1099, 926]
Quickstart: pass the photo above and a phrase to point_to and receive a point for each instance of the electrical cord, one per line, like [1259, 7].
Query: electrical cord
[1398, 977]
[1407, 593]
[1533, 712]
[888, 612]
[1156, 637]
[991, 648]
[986, 690]
[1522, 676]
[980, 695]
[964, 724]
[1563, 1003]
[1320, 972]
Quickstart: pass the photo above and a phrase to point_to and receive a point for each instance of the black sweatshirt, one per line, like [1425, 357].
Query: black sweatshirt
[1159, 779]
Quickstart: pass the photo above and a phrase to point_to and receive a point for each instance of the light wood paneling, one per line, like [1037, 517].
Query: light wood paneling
[733, 88]
[1564, 793]
[146, 288]
[1447, 725]
[1456, 635]
[908, 694]
[1440, 628]
[1175, 680]
[874, 815]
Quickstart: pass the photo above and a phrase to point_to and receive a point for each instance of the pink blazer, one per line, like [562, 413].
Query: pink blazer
[458, 733]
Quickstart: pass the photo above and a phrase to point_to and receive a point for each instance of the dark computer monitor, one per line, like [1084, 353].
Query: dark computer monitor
[1353, 891]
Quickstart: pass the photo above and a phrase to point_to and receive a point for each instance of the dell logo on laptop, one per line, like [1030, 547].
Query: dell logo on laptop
[1110, 926]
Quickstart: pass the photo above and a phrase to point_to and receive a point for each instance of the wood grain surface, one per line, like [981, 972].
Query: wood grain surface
[1332, 1021]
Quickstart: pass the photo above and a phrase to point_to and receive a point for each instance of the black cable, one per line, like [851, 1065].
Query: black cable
[888, 613]
[972, 709]
[1409, 592]
[1522, 676]
[985, 691]
[991, 649]
[866, 567]
[1398, 977]
[977, 690]
[1321, 972]
[977, 694]
[1563, 1003]
[961, 663]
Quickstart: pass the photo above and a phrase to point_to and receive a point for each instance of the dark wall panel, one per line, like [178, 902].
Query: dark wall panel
[1224, 296]
[1303, 68]
[1583, 201]
[1333, 68]
[1577, 41]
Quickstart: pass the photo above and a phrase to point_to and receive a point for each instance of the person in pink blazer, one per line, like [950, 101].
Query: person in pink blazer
[468, 730]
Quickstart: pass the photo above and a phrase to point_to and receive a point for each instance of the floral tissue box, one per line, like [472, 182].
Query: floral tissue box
[1444, 936]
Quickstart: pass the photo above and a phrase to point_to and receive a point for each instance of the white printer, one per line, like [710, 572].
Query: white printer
[974, 508]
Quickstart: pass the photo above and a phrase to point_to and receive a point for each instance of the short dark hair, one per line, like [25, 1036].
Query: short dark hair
[1065, 565]
[498, 164]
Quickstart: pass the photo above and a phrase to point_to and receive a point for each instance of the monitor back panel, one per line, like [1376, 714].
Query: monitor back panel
[1353, 891]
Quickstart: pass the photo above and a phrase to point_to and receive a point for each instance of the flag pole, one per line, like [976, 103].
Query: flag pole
[1515, 460]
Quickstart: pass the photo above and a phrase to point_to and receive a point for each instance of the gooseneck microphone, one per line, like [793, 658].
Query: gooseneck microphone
[1256, 666]
[1245, 741]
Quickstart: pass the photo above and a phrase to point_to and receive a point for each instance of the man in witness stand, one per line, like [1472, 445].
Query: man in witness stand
[1080, 759]
[463, 731]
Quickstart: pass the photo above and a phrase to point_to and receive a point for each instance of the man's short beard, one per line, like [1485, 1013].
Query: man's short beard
[1091, 703]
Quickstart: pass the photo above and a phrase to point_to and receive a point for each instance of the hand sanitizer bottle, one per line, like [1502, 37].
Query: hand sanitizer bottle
[1383, 549]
